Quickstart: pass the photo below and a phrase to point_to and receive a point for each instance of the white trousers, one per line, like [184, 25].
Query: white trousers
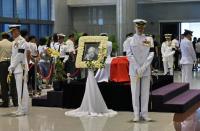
[144, 86]
[168, 66]
[22, 100]
[187, 73]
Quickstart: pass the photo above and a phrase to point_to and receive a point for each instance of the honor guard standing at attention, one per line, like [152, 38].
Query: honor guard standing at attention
[5, 54]
[19, 66]
[140, 55]
[168, 51]
[188, 56]
[62, 48]
[54, 44]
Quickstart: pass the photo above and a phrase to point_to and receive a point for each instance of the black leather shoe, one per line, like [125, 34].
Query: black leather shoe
[15, 103]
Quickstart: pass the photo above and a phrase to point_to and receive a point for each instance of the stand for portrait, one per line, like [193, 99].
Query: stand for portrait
[93, 103]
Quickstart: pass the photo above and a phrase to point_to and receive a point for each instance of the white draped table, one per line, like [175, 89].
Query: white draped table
[93, 103]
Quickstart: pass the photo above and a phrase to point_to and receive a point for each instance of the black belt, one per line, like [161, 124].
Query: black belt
[34, 56]
[5, 61]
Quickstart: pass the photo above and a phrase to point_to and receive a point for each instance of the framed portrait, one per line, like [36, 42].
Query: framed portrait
[93, 49]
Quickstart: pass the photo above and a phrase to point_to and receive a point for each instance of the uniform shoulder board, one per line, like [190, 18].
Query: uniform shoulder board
[21, 51]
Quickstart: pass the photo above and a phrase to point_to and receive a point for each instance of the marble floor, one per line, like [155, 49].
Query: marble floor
[53, 119]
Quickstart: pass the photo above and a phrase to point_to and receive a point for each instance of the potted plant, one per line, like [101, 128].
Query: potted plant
[58, 76]
[115, 46]
[58, 72]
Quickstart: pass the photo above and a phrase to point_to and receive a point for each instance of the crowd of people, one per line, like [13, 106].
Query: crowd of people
[26, 64]
[175, 53]
[23, 55]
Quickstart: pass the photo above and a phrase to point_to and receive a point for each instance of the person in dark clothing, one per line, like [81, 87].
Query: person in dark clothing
[194, 42]
[155, 61]
[194, 46]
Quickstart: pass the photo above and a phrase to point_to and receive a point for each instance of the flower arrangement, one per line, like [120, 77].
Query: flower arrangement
[53, 53]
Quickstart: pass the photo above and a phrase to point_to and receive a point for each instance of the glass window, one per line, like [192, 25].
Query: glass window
[7, 6]
[24, 27]
[50, 30]
[21, 8]
[44, 14]
[34, 30]
[33, 9]
[1, 26]
[0, 8]
[44, 31]
[5, 28]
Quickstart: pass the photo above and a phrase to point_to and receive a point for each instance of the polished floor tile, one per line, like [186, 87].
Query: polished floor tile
[53, 119]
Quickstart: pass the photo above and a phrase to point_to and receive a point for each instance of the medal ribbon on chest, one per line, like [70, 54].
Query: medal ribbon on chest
[16, 45]
[147, 43]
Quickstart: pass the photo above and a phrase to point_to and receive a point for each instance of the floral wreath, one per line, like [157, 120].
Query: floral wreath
[102, 52]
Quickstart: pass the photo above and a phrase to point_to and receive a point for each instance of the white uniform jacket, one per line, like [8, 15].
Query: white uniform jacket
[126, 46]
[63, 50]
[70, 46]
[140, 55]
[167, 51]
[19, 57]
[109, 48]
[55, 46]
[188, 55]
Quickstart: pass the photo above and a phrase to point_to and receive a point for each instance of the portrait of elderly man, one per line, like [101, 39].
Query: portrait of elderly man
[91, 53]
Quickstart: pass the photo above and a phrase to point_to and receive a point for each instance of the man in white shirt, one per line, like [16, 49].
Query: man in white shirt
[168, 51]
[5, 54]
[188, 56]
[126, 44]
[176, 43]
[70, 44]
[70, 63]
[62, 48]
[54, 44]
[33, 65]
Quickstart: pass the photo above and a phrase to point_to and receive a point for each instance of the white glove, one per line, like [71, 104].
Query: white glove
[141, 70]
[11, 69]
[66, 58]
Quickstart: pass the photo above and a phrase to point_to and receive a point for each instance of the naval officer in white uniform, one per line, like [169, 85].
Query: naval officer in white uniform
[62, 48]
[19, 66]
[188, 56]
[168, 51]
[140, 55]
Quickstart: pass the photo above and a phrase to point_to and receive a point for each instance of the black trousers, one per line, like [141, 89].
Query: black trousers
[70, 64]
[176, 60]
[4, 85]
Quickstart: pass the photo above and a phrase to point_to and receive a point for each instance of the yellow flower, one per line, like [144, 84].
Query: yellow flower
[53, 53]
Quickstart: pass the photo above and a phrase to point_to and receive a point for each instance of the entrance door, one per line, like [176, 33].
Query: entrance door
[169, 28]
